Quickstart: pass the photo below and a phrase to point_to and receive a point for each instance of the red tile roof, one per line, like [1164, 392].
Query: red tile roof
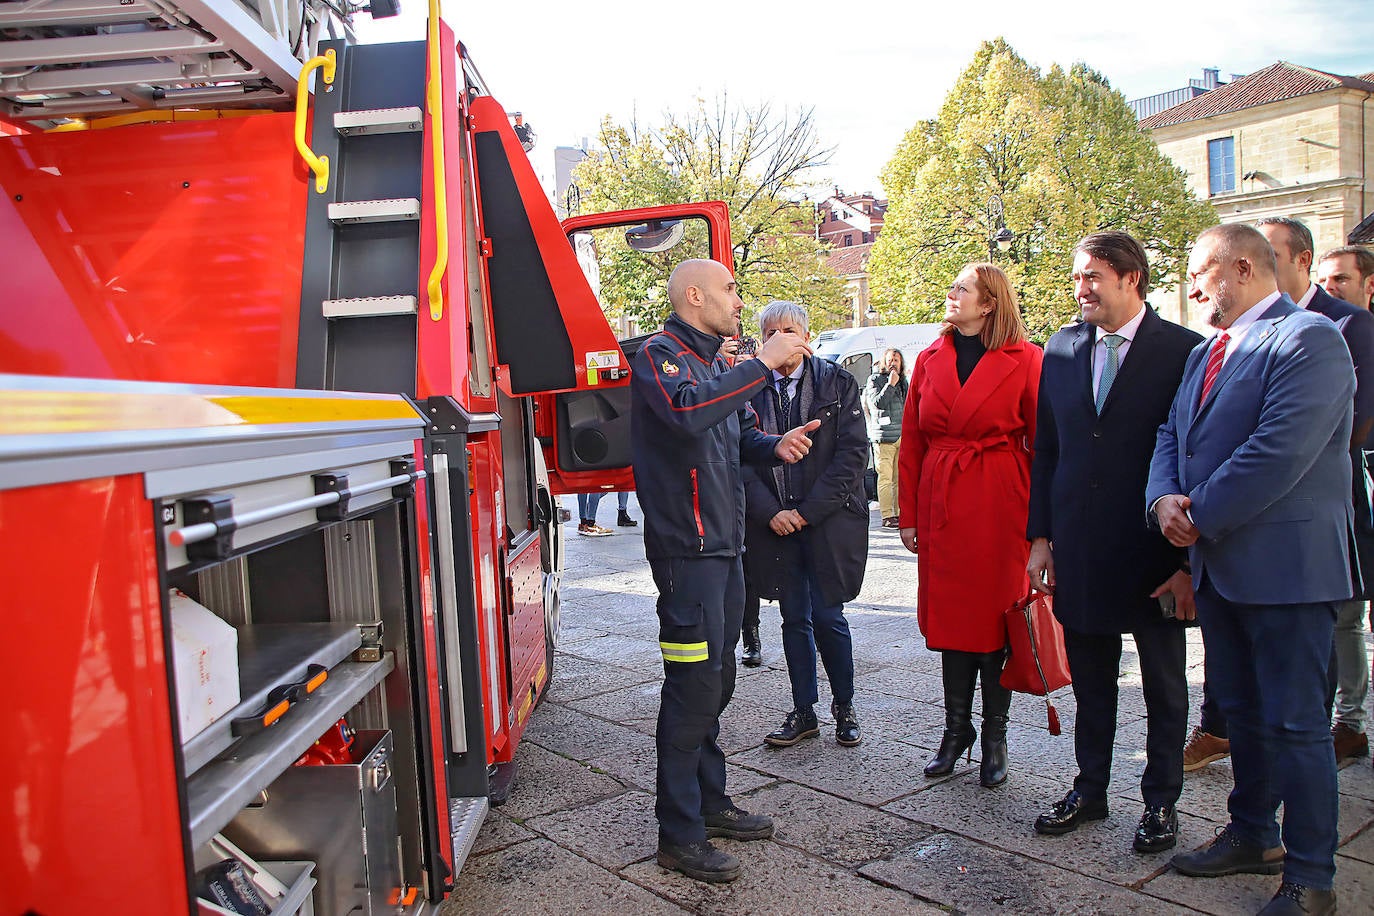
[1274, 83]
[849, 261]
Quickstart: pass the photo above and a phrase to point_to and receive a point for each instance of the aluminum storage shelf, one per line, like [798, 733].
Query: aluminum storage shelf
[217, 793]
[269, 655]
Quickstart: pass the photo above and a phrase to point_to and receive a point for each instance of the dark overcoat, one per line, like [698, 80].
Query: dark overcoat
[1089, 474]
[829, 492]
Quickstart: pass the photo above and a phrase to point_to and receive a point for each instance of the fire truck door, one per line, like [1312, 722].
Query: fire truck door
[627, 257]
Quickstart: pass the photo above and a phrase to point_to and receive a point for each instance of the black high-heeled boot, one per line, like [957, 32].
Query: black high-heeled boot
[996, 707]
[960, 672]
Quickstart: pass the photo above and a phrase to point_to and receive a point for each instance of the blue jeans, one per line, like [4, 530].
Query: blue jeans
[587, 503]
[808, 624]
[1266, 666]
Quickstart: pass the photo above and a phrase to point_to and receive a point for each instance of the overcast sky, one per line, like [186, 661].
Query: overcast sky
[871, 69]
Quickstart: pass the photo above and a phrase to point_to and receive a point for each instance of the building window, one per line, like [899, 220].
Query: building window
[1221, 165]
[848, 240]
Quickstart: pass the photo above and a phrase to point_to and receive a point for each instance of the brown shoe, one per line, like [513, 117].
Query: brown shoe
[1349, 743]
[891, 522]
[1203, 748]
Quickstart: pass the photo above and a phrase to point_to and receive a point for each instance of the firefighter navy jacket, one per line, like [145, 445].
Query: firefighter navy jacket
[690, 424]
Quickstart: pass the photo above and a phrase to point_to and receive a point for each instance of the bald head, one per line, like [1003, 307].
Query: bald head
[1230, 269]
[703, 293]
[1232, 241]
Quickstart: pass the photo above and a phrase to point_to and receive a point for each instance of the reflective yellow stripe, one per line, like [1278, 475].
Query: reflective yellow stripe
[45, 412]
[684, 651]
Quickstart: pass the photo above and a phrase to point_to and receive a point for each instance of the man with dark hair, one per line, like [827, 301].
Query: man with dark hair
[1349, 674]
[807, 527]
[1105, 388]
[1251, 473]
[1348, 273]
[692, 424]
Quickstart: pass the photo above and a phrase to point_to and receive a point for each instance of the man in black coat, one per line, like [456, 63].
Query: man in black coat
[806, 526]
[1105, 387]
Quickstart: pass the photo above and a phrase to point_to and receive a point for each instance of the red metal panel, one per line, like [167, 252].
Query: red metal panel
[163, 252]
[487, 528]
[525, 623]
[89, 797]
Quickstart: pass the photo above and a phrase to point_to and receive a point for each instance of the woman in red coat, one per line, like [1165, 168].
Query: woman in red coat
[963, 492]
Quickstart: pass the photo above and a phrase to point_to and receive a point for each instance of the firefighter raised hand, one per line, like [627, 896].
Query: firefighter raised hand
[795, 443]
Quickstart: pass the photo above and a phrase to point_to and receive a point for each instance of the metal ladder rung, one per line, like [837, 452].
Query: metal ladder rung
[375, 211]
[379, 121]
[465, 817]
[370, 307]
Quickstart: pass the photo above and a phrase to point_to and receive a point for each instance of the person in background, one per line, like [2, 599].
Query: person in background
[1348, 273]
[884, 399]
[587, 504]
[963, 492]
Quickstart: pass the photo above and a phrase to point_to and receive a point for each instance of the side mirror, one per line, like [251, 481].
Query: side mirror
[655, 235]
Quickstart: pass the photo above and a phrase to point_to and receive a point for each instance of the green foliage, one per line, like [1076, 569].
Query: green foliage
[1063, 154]
[755, 160]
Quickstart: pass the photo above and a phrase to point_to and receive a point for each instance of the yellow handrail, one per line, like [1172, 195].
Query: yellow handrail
[318, 164]
[434, 99]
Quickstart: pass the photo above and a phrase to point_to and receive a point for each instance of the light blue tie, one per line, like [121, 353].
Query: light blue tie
[1109, 370]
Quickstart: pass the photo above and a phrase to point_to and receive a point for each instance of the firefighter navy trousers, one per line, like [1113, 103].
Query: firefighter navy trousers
[700, 608]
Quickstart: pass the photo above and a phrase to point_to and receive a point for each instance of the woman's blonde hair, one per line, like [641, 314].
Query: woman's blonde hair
[1004, 325]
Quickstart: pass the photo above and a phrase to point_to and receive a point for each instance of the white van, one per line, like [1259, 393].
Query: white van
[858, 349]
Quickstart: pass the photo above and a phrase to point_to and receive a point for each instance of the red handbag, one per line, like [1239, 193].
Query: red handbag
[1037, 663]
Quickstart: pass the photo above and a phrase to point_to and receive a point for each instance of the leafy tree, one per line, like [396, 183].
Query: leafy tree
[1062, 153]
[757, 161]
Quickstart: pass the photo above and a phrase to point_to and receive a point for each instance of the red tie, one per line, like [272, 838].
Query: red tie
[1214, 359]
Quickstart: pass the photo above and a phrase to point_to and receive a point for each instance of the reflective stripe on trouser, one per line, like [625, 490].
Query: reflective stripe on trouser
[701, 603]
[684, 651]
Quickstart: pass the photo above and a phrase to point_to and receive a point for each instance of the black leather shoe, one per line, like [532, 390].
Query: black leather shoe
[1065, 815]
[1296, 900]
[952, 744]
[623, 520]
[753, 649]
[738, 825]
[1158, 829]
[799, 724]
[846, 724]
[1229, 854]
[701, 861]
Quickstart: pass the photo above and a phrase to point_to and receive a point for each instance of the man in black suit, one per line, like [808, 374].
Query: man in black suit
[1348, 673]
[1105, 387]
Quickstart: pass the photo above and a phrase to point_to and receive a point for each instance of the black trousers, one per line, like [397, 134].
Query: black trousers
[700, 605]
[1095, 661]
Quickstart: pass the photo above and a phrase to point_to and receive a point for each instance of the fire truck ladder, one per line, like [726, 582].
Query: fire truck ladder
[68, 59]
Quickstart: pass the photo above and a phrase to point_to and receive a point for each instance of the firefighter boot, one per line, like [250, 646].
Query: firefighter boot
[701, 861]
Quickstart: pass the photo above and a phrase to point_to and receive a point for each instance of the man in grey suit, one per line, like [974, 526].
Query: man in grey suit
[1105, 386]
[1251, 473]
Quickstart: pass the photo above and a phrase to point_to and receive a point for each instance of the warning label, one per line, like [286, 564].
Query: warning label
[603, 359]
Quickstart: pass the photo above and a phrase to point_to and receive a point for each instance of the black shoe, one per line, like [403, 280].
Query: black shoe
[799, 724]
[738, 825]
[753, 649]
[1065, 815]
[1296, 900]
[846, 724]
[992, 770]
[1228, 854]
[1158, 829]
[699, 860]
[624, 520]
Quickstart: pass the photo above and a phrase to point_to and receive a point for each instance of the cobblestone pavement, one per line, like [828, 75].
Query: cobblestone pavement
[860, 830]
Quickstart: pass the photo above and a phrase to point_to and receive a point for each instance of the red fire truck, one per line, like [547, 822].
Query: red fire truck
[304, 370]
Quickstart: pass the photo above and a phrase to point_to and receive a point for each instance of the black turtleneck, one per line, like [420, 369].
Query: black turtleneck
[967, 352]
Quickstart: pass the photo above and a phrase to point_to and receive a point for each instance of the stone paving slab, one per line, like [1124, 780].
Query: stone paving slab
[640, 655]
[499, 831]
[613, 832]
[541, 878]
[575, 677]
[547, 782]
[873, 773]
[1247, 893]
[778, 879]
[835, 829]
[967, 877]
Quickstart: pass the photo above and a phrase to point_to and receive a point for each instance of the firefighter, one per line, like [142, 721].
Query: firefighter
[691, 424]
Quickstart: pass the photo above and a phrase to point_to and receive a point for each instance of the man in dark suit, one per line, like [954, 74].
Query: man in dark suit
[1251, 473]
[806, 526]
[1349, 678]
[1105, 387]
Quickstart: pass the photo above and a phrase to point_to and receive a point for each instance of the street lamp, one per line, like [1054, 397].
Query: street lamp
[871, 315]
[1001, 237]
